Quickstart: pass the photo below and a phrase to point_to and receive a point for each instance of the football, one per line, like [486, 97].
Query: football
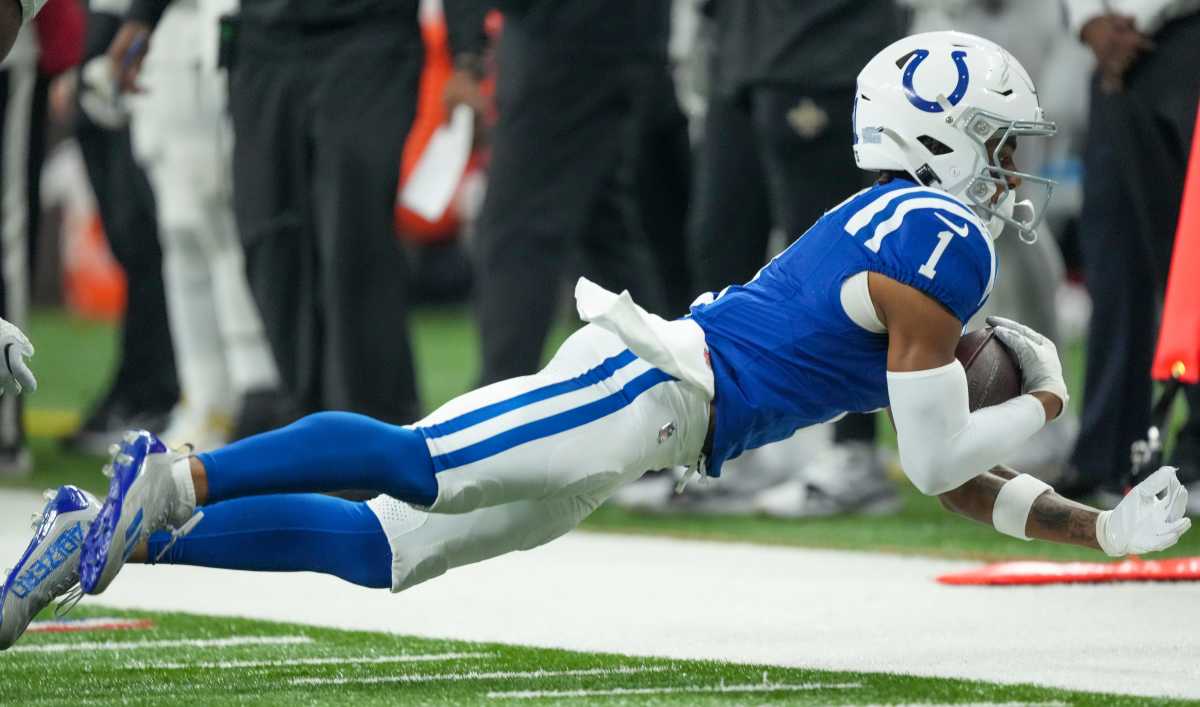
[992, 372]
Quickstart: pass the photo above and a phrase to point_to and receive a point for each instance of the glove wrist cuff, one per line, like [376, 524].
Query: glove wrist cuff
[1056, 389]
[1102, 535]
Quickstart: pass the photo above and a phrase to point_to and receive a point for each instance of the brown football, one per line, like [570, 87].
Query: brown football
[992, 372]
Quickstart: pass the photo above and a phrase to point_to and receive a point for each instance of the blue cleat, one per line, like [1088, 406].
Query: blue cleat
[50, 566]
[143, 498]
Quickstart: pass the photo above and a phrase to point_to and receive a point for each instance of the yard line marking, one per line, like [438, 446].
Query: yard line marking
[981, 704]
[333, 660]
[99, 623]
[691, 690]
[474, 675]
[181, 643]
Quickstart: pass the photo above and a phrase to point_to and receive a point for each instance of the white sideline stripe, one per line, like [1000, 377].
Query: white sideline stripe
[691, 690]
[473, 675]
[976, 704]
[181, 643]
[345, 660]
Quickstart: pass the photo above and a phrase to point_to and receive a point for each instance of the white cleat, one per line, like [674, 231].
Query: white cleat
[143, 498]
[50, 566]
[845, 479]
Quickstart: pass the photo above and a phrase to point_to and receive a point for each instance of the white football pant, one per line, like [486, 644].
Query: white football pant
[182, 136]
[523, 461]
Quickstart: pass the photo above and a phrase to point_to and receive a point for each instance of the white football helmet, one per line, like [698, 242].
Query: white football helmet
[927, 104]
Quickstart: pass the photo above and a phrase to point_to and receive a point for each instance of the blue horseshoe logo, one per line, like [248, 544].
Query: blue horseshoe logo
[960, 90]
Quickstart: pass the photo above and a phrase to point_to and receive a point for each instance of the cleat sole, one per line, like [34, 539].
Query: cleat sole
[93, 559]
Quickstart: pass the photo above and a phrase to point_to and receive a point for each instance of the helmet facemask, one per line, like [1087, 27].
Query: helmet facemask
[989, 191]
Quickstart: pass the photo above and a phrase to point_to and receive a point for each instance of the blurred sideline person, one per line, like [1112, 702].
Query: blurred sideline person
[13, 15]
[182, 137]
[322, 95]
[863, 312]
[1143, 112]
[1030, 30]
[781, 88]
[18, 75]
[576, 84]
[144, 388]
[47, 48]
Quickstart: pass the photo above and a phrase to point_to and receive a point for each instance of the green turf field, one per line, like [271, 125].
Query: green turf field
[74, 357]
[192, 660]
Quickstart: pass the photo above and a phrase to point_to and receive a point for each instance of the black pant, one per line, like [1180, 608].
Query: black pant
[662, 173]
[320, 117]
[1135, 161]
[772, 155]
[560, 177]
[145, 379]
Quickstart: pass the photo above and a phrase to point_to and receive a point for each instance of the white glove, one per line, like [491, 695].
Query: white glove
[15, 375]
[1149, 519]
[1036, 355]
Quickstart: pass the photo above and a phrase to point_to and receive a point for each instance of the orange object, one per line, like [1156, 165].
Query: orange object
[93, 282]
[1129, 570]
[1178, 353]
[431, 113]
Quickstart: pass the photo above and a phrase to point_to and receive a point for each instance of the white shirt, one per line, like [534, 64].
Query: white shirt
[1149, 15]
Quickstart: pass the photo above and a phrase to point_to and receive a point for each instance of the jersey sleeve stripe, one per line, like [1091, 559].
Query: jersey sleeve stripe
[896, 219]
[866, 214]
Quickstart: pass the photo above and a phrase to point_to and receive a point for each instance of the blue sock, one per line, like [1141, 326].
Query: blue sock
[328, 451]
[287, 533]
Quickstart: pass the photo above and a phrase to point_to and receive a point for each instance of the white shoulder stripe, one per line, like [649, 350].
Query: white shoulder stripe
[871, 210]
[894, 221]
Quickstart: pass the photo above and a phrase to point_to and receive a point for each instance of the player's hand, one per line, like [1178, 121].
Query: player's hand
[1149, 519]
[1037, 356]
[1116, 42]
[126, 53]
[462, 88]
[15, 375]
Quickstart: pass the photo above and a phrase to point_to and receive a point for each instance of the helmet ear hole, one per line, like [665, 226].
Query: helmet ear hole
[935, 146]
[904, 59]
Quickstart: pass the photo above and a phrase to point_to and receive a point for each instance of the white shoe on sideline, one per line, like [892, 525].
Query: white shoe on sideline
[202, 429]
[845, 479]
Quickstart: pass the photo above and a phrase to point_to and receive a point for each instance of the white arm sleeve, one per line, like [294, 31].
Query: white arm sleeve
[942, 444]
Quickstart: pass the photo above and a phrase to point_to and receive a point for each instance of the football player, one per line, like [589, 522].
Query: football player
[862, 312]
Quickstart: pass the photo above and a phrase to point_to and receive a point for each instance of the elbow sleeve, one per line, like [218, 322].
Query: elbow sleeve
[942, 443]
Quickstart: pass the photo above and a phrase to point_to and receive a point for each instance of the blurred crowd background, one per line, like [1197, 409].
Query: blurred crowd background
[223, 182]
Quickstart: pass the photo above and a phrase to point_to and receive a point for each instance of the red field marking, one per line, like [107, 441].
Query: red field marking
[1029, 572]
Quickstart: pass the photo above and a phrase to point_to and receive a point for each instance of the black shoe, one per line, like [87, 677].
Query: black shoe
[108, 421]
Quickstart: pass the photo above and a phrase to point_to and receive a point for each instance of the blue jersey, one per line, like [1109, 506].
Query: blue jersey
[785, 354]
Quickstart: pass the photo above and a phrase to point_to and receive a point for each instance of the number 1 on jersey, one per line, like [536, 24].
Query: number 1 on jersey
[928, 269]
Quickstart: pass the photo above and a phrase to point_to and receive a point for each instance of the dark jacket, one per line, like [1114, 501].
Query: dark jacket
[816, 44]
[296, 12]
[628, 27]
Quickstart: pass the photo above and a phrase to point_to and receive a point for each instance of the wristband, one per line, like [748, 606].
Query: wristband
[1013, 503]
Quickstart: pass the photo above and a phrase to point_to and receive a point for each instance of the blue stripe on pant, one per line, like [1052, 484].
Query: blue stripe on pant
[598, 374]
[552, 425]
